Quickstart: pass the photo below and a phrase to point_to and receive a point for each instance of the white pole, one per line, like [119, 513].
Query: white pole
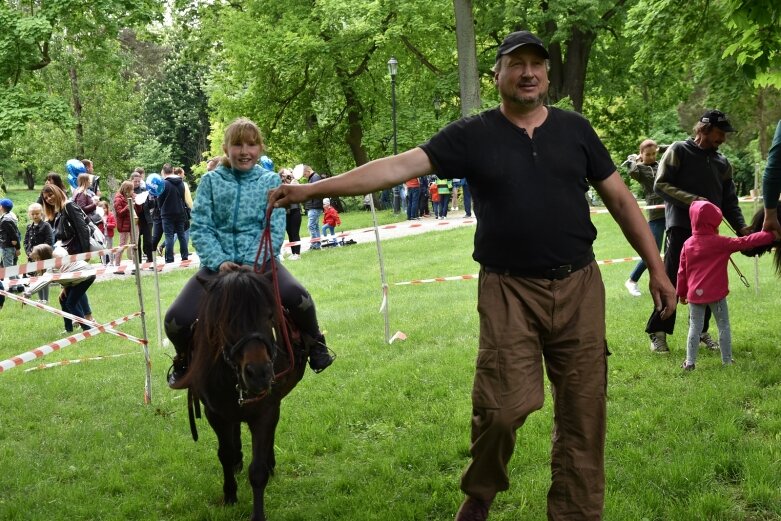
[135, 257]
[385, 306]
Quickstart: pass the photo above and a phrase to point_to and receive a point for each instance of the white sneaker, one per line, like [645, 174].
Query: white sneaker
[631, 287]
[294, 257]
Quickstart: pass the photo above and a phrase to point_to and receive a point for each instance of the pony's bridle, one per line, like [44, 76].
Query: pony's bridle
[229, 353]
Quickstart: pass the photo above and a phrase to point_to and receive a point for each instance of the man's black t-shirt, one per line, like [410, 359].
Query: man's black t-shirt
[532, 212]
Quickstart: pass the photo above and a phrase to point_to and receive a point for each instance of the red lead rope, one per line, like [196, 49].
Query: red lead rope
[266, 252]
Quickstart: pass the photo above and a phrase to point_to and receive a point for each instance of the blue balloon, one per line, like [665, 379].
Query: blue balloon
[74, 168]
[155, 184]
[266, 163]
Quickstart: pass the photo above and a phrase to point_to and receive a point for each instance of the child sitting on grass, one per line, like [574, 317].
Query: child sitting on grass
[702, 276]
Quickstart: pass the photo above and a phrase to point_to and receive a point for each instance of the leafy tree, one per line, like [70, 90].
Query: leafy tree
[176, 108]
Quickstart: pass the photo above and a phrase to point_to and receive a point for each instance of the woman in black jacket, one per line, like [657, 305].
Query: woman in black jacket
[70, 227]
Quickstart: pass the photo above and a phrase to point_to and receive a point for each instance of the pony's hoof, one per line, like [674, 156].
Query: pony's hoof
[238, 467]
[229, 500]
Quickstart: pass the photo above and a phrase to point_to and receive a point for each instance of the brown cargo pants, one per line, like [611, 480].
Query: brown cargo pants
[523, 322]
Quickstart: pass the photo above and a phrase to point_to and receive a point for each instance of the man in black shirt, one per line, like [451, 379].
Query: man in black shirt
[541, 297]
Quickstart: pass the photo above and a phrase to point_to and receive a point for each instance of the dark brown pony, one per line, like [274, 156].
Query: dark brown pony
[240, 374]
[756, 226]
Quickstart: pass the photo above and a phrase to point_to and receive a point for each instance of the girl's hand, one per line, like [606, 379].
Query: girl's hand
[228, 266]
[683, 300]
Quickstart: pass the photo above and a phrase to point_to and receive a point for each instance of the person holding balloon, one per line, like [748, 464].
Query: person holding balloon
[228, 220]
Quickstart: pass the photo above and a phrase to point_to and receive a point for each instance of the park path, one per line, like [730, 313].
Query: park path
[455, 219]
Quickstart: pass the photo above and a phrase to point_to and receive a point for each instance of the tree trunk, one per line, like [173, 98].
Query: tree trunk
[568, 76]
[29, 177]
[354, 137]
[469, 79]
[77, 110]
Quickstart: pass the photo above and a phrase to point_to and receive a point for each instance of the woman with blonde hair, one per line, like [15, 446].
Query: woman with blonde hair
[228, 221]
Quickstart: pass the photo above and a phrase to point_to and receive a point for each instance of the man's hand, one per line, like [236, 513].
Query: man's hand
[287, 194]
[771, 224]
[663, 293]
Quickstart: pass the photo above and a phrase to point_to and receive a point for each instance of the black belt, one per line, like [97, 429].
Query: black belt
[557, 273]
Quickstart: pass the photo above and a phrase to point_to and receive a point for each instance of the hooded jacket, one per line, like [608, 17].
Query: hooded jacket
[229, 216]
[702, 272]
[171, 201]
[687, 172]
[9, 231]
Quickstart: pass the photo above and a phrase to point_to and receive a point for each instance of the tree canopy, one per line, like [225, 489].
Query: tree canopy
[131, 85]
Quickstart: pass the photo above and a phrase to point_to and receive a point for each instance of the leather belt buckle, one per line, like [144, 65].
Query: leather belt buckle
[560, 272]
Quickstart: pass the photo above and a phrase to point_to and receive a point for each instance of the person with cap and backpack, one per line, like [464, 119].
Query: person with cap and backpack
[10, 239]
[541, 300]
[693, 170]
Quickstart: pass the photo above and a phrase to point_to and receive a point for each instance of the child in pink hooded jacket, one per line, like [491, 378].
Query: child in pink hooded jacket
[702, 275]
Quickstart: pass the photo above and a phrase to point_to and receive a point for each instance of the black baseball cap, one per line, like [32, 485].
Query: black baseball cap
[518, 39]
[718, 119]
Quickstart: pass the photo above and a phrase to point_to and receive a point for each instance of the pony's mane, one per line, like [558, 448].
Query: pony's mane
[756, 226]
[234, 305]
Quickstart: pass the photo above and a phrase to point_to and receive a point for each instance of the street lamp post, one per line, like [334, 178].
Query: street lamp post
[393, 68]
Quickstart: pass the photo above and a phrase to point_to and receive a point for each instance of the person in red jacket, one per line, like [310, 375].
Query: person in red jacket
[702, 275]
[330, 220]
[122, 211]
[434, 192]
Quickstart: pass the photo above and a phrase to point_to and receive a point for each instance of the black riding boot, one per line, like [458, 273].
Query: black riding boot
[319, 357]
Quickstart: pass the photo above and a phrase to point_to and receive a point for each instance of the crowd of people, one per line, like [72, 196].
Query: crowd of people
[60, 225]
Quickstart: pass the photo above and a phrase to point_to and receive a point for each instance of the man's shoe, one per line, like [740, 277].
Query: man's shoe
[659, 342]
[319, 357]
[708, 341]
[631, 287]
[473, 509]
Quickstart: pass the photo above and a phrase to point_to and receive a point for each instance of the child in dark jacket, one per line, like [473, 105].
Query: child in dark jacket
[39, 231]
[9, 234]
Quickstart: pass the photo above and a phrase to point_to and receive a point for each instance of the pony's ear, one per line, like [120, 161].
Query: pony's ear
[204, 282]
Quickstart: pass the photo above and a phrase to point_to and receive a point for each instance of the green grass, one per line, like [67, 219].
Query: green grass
[384, 433]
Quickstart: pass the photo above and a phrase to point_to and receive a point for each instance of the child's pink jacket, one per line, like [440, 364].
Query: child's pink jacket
[702, 272]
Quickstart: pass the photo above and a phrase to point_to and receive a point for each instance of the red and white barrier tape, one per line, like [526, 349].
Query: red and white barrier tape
[341, 235]
[65, 342]
[75, 361]
[57, 262]
[122, 269]
[474, 276]
[74, 318]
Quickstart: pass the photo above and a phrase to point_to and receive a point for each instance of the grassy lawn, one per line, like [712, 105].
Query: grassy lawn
[384, 433]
